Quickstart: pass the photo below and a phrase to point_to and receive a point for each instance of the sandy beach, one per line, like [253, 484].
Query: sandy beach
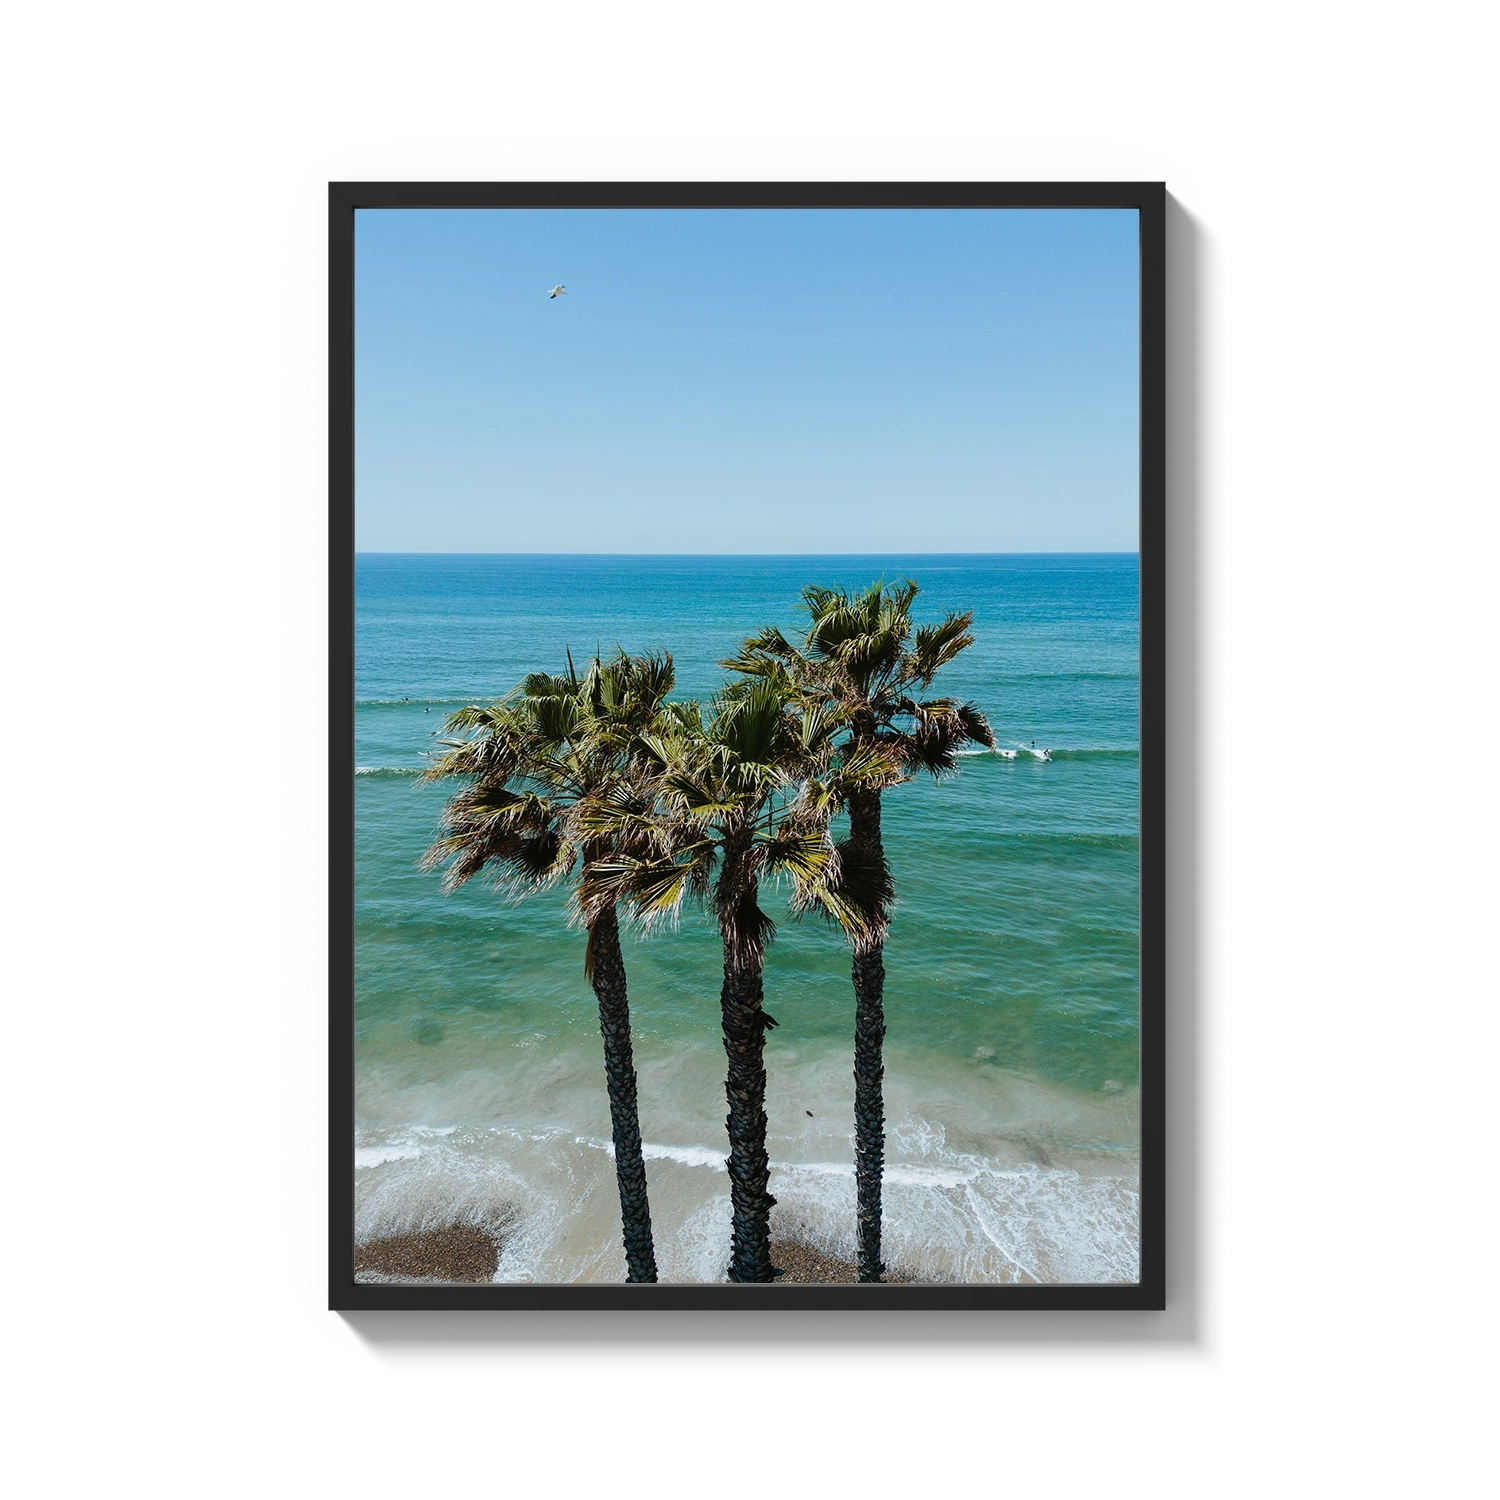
[800, 1262]
[461, 1254]
[457, 1253]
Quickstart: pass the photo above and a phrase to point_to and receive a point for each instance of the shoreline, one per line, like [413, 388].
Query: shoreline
[466, 1255]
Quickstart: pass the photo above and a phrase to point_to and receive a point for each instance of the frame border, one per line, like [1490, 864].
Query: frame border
[425, 170]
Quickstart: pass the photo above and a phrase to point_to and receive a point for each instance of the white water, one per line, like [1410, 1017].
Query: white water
[1007, 752]
[1044, 1189]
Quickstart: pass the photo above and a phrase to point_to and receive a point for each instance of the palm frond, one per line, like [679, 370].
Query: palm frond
[858, 894]
[840, 623]
[870, 767]
[517, 837]
[865, 635]
[765, 654]
[547, 685]
[745, 928]
[891, 603]
[700, 804]
[558, 718]
[820, 797]
[802, 855]
[817, 601]
[652, 890]
[474, 716]
[975, 726]
[938, 727]
[818, 722]
[936, 645]
[555, 769]
[492, 757]
[651, 678]
[752, 728]
[623, 820]
[873, 766]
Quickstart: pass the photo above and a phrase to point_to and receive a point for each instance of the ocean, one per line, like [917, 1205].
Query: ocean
[1012, 989]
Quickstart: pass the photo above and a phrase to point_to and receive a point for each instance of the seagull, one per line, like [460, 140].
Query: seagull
[557, 291]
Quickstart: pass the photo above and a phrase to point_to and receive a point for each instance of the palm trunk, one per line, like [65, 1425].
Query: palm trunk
[869, 1065]
[745, 1088]
[608, 978]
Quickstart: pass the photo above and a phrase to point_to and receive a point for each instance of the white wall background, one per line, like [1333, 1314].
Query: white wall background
[1334, 819]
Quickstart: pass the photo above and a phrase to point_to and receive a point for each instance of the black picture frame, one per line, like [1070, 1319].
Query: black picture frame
[1185, 477]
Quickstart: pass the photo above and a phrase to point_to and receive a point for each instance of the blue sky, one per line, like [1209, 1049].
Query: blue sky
[888, 381]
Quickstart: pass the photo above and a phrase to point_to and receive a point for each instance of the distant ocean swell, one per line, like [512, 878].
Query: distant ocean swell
[425, 702]
[1108, 752]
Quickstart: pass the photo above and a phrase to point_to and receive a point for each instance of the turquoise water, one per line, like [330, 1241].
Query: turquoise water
[1012, 979]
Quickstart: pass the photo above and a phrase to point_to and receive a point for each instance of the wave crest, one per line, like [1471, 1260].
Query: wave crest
[950, 1215]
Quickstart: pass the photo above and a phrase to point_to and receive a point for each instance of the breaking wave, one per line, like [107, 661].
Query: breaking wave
[950, 1215]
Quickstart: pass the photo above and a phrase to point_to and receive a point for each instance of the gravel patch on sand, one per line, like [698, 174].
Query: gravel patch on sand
[459, 1252]
[801, 1262]
[465, 1254]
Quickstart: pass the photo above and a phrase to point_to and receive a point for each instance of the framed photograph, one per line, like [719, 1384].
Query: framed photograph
[746, 737]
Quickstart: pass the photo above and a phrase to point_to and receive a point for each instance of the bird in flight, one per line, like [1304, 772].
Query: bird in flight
[557, 291]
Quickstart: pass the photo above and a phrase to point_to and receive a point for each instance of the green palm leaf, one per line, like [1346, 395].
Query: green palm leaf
[936, 645]
[803, 855]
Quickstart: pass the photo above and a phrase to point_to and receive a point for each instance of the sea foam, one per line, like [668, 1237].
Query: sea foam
[949, 1215]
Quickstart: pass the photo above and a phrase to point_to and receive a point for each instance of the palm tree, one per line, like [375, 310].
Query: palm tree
[863, 659]
[738, 801]
[533, 762]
